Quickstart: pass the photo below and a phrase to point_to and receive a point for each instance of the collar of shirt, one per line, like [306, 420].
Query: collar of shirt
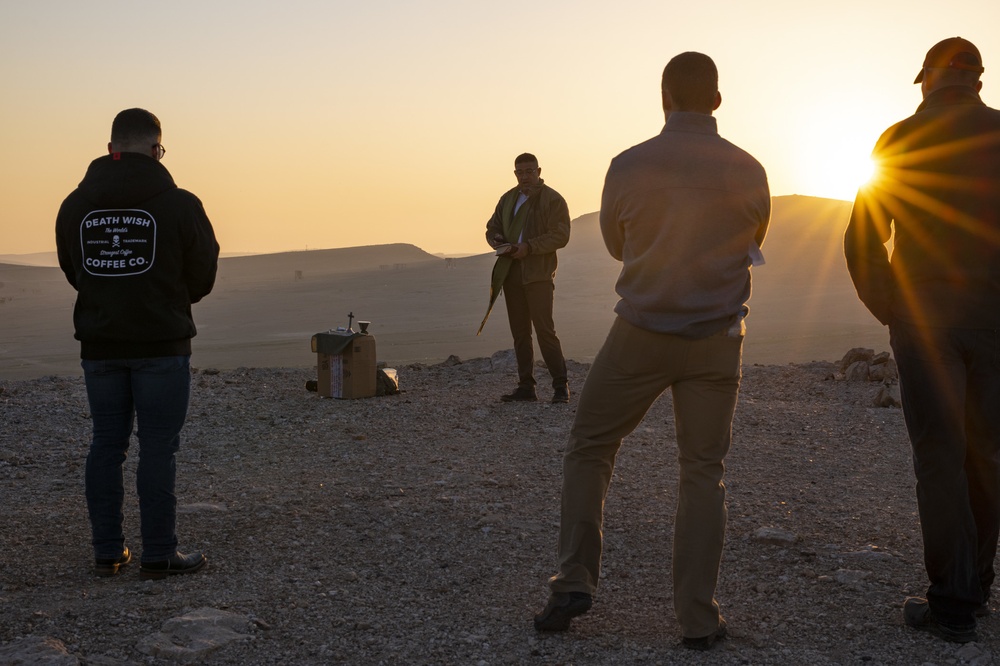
[688, 121]
[951, 95]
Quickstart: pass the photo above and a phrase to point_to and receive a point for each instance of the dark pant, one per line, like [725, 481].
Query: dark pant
[531, 305]
[155, 392]
[950, 388]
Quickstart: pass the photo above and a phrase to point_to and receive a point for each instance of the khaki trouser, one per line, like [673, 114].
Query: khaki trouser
[632, 369]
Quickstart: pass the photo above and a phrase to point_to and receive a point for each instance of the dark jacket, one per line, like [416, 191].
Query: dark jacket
[937, 187]
[139, 251]
[546, 229]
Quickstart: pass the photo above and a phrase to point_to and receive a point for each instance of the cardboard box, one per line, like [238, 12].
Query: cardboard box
[345, 364]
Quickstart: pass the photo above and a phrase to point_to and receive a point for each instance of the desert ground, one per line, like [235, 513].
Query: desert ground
[420, 528]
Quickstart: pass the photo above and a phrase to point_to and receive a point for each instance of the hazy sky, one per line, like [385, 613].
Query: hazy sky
[331, 124]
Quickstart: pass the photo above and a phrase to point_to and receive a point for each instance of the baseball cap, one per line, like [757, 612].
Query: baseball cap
[954, 53]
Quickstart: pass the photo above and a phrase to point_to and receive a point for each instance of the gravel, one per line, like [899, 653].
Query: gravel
[420, 528]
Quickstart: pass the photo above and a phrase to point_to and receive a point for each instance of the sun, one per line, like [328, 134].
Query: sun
[831, 152]
[840, 174]
[835, 167]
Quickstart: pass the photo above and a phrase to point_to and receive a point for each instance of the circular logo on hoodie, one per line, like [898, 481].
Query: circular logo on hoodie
[116, 243]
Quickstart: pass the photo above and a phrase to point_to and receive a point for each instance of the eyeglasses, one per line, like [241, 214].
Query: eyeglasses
[160, 150]
[525, 172]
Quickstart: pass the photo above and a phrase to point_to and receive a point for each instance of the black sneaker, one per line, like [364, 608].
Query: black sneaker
[177, 564]
[561, 609]
[560, 395]
[107, 567]
[706, 642]
[520, 395]
[917, 614]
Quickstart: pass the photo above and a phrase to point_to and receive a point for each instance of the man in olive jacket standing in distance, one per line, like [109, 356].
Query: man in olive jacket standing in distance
[530, 223]
[139, 251]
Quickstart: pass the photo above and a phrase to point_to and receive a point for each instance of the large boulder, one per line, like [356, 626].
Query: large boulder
[855, 355]
[192, 637]
[857, 372]
[504, 361]
[884, 372]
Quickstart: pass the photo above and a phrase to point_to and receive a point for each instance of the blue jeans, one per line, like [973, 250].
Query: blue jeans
[154, 392]
[949, 383]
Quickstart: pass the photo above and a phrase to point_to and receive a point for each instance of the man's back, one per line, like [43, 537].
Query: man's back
[139, 251]
[681, 211]
[938, 181]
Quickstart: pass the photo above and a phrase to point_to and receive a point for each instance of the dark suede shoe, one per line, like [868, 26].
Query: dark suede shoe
[560, 395]
[177, 564]
[520, 395]
[105, 568]
[917, 614]
[706, 642]
[561, 609]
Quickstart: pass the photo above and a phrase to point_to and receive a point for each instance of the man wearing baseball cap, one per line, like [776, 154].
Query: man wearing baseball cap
[953, 53]
[936, 195]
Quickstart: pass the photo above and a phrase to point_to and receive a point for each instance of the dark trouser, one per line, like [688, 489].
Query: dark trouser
[950, 388]
[531, 305]
[155, 392]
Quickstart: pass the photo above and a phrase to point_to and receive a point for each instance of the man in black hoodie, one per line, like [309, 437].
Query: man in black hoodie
[139, 251]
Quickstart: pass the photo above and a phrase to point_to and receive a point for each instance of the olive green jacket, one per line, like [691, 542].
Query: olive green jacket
[542, 222]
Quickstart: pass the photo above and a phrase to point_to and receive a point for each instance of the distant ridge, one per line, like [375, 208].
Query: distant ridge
[34, 259]
[316, 263]
[51, 260]
[342, 259]
[265, 308]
